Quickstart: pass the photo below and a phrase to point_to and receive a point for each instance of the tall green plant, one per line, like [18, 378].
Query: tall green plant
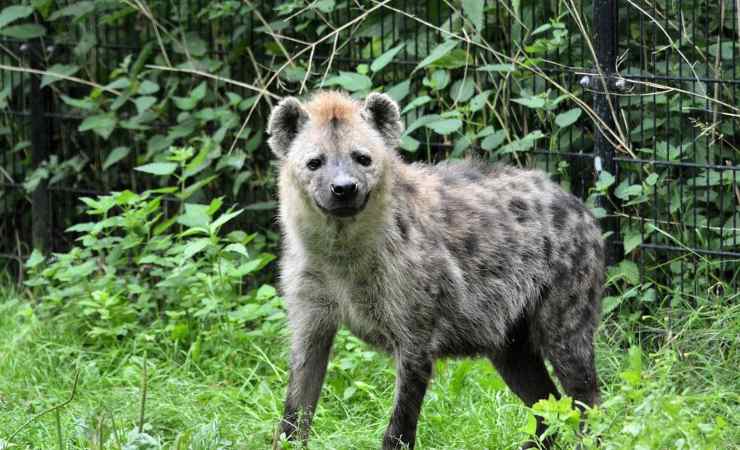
[154, 265]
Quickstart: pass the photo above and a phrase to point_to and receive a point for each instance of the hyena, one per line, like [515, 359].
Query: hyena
[458, 259]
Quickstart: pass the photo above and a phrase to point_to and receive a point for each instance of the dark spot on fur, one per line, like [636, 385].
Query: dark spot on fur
[578, 254]
[559, 215]
[560, 272]
[581, 230]
[492, 269]
[538, 207]
[575, 203]
[544, 292]
[408, 188]
[471, 244]
[471, 175]
[403, 227]
[598, 249]
[451, 178]
[485, 222]
[592, 294]
[547, 249]
[520, 209]
[539, 182]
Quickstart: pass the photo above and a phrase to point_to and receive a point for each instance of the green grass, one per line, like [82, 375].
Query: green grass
[229, 393]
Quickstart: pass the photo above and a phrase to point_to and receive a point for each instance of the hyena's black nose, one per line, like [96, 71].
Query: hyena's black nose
[344, 190]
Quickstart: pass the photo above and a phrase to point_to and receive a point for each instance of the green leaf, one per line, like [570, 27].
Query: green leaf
[724, 50]
[632, 240]
[463, 143]
[144, 103]
[265, 292]
[199, 92]
[24, 31]
[350, 81]
[409, 144]
[421, 121]
[473, 9]
[237, 248]
[325, 6]
[609, 304]
[194, 247]
[148, 87]
[479, 101]
[445, 126]
[568, 118]
[605, 180]
[438, 52]
[13, 13]
[530, 428]
[501, 68]
[80, 103]
[493, 140]
[462, 90]
[262, 206]
[190, 102]
[399, 91]
[439, 79]
[101, 124]
[195, 216]
[625, 190]
[384, 59]
[415, 103]
[193, 45]
[185, 103]
[119, 83]
[115, 155]
[158, 168]
[198, 163]
[76, 9]
[521, 145]
[222, 219]
[626, 270]
[531, 102]
[35, 259]
[61, 69]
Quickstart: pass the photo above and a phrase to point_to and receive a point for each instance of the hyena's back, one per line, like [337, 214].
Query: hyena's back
[510, 251]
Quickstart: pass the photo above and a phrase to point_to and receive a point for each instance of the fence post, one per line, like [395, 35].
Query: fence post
[40, 139]
[605, 20]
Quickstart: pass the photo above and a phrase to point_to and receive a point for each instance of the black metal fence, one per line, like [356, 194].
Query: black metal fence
[661, 107]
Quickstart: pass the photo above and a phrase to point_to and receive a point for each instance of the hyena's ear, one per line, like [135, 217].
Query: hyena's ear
[285, 122]
[383, 113]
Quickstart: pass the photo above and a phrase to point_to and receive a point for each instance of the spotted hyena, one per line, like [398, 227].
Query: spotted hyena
[458, 259]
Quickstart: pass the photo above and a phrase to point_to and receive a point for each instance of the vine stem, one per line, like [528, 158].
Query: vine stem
[48, 410]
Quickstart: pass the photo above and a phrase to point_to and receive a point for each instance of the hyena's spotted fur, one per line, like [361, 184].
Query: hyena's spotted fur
[457, 259]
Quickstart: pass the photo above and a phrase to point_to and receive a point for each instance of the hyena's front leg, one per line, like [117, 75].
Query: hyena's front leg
[412, 378]
[313, 333]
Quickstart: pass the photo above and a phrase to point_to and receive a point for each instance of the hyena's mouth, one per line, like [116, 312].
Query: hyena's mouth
[344, 211]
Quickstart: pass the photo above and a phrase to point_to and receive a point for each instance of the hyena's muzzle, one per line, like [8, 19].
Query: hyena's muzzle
[341, 192]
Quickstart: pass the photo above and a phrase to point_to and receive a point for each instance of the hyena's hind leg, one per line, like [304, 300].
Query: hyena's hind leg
[569, 325]
[523, 369]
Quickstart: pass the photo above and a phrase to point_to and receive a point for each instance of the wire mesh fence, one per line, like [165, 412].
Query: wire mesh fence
[653, 126]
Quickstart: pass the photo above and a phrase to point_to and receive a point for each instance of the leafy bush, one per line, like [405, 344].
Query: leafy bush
[645, 411]
[155, 266]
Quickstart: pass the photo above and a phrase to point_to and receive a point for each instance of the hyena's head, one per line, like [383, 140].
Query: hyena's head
[334, 148]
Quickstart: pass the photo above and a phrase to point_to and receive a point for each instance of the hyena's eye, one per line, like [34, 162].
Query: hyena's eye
[314, 163]
[362, 159]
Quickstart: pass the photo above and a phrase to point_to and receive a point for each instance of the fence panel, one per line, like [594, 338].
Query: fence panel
[662, 121]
